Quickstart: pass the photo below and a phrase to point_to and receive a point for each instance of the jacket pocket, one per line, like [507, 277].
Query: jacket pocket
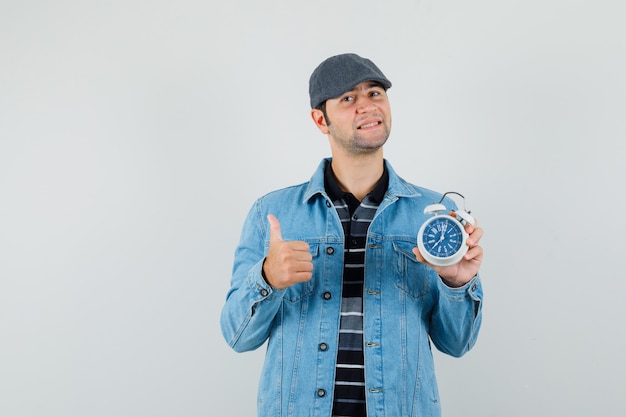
[411, 276]
[301, 290]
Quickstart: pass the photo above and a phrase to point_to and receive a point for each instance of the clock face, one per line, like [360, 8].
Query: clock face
[442, 237]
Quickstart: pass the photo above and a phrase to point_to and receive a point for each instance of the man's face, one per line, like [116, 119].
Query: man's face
[359, 121]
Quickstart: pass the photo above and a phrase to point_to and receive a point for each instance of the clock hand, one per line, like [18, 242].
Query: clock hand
[439, 241]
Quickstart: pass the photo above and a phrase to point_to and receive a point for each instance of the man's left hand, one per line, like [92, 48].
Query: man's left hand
[462, 272]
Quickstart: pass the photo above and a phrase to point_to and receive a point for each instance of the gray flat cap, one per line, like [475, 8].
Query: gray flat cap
[341, 73]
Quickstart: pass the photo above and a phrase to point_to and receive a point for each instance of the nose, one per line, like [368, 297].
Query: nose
[365, 104]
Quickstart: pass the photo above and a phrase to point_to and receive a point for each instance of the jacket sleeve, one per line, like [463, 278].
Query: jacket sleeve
[251, 304]
[457, 317]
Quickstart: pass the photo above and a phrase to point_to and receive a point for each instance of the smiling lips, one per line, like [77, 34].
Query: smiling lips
[368, 125]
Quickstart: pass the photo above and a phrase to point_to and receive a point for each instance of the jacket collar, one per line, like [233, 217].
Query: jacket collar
[397, 188]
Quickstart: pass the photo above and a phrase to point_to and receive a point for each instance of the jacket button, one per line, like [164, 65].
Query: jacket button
[323, 347]
[264, 292]
[321, 393]
[330, 250]
[328, 204]
[327, 295]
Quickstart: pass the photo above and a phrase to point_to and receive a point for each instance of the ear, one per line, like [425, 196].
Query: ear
[318, 118]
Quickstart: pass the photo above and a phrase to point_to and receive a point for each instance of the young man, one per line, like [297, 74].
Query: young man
[328, 273]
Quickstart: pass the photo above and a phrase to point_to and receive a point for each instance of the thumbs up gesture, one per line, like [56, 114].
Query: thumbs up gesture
[286, 263]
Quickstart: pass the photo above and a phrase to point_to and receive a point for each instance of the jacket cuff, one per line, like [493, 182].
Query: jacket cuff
[472, 288]
[259, 288]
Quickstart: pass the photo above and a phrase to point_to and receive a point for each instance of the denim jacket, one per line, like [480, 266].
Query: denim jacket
[406, 305]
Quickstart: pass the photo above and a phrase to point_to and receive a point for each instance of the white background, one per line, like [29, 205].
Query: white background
[135, 135]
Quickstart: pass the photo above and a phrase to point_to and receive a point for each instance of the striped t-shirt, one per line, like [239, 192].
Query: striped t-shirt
[349, 392]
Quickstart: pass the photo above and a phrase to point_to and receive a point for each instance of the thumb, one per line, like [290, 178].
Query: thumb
[275, 235]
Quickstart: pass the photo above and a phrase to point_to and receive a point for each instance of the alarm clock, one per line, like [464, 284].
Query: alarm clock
[442, 239]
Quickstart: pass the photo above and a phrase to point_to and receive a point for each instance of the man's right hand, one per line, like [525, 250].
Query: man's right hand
[286, 263]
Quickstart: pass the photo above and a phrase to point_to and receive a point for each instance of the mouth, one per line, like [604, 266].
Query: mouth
[369, 125]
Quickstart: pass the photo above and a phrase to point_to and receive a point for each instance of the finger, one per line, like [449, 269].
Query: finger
[275, 235]
[419, 256]
[303, 267]
[475, 237]
[474, 253]
[300, 251]
[302, 276]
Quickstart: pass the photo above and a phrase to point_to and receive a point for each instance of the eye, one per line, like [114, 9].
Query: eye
[348, 98]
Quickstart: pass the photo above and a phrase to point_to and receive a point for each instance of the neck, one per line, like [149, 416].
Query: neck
[358, 176]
